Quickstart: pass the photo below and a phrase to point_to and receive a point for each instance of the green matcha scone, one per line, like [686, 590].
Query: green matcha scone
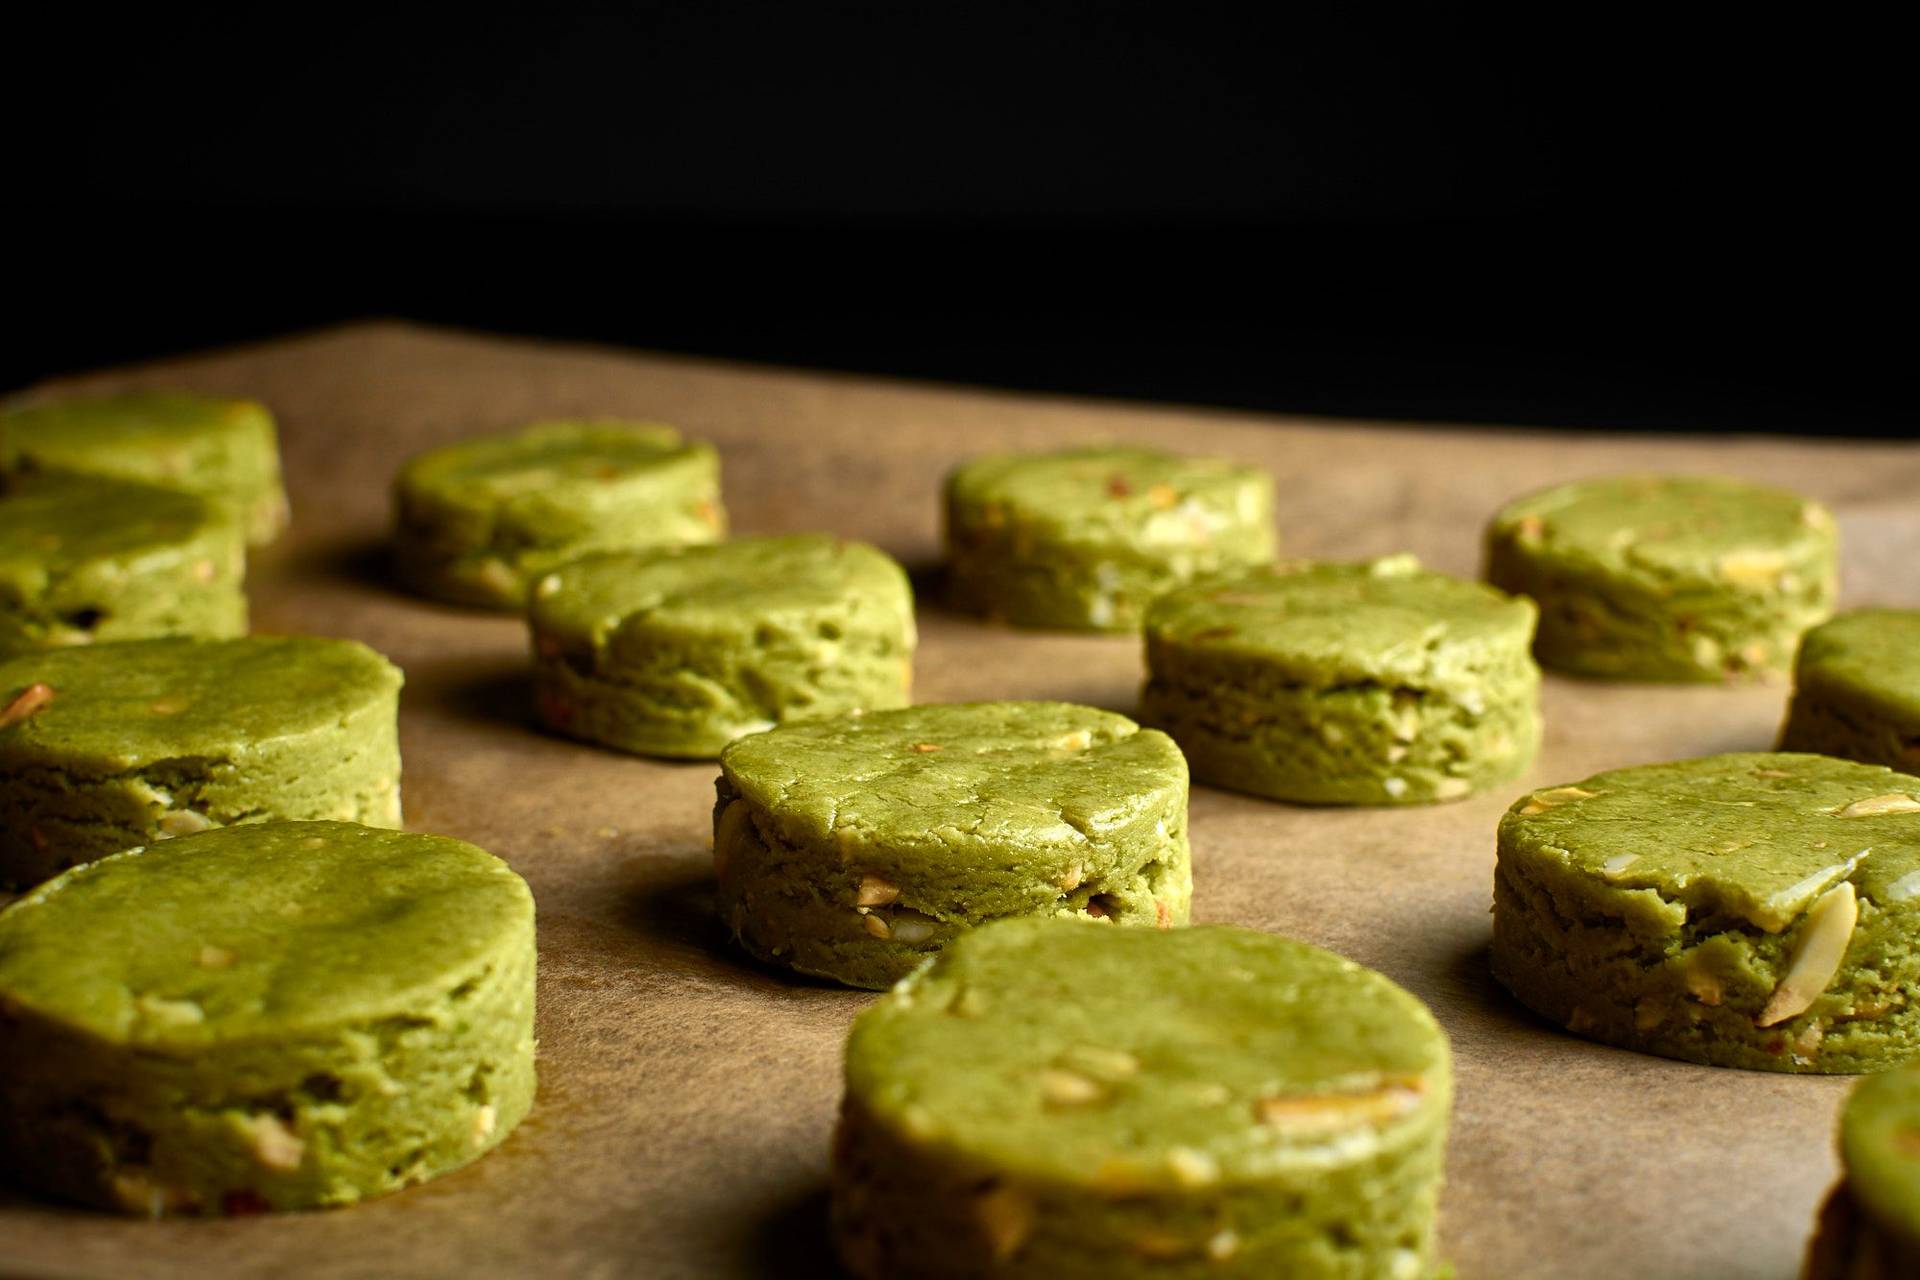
[286, 1015]
[1668, 577]
[108, 747]
[1870, 1228]
[855, 847]
[1752, 910]
[222, 449]
[1857, 690]
[1053, 1100]
[1085, 539]
[479, 521]
[679, 651]
[1372, 683]
[85, 558]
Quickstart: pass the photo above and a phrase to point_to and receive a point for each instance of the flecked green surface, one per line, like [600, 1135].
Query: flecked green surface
[1661, 908]
[1085, 539]
[283, 1015]
[85, 559]
[226, 450]
[853, 848]
[479, 521]
[1857, 690]
[147, 740]
[1054, 1099]
[1373, 683]
[677, 652]
[1668, 577]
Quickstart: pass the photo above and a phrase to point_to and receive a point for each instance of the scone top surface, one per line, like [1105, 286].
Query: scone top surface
[1690, 528]
[1137, 1058]
[1385, 620]
[123, 706]
[135, 434]
[257, 932]
[1106, 496]
[1880, 1144]
[549, 464]
[718, 589]
[1868, 654]
[934, 785]
[1757, 836]
[54, 525]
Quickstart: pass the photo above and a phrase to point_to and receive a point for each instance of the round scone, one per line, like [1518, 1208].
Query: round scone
[108, 747]
[853, 848]
[86, 558]
[1870, 1227]
[1753, 910]
[1085, 539]
[1374, 683]
[224, 449]
[1050, 1099]
[479, 521]
[1857, 690]
[278, 1016]
[1668, 577]
[679, 651]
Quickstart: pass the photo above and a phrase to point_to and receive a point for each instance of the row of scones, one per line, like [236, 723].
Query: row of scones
[1039, 1074]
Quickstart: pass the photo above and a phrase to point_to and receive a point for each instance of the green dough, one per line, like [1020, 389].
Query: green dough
[1375, 683]
[478, 522]
[679, 651]
[278, 1016]
[1747, 910]
[853, 848]
[1086, 538]
[1871, 1227]
[84, 558]
[131, 743]
[1668, 577]
[222, 449]
[1857, 690]
[1056, 1100]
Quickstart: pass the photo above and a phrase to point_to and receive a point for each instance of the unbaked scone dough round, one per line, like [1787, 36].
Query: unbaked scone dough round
[1085, 539]
[274, 1016]
[1751, 910]
[855, 847]
[106, 747]
[1373, 683]
[1668, 577]
[1053, 1100]
[87, 559]
[677, 652]
[479, 521]
[224, 449]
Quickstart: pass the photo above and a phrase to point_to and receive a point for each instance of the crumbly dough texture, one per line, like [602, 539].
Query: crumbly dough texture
[679, 651]
[1372, 683]
[277, 1016]
[1857, 690]
[1085, 539]
[1753, 910]
[86, 558]
[145, 741]
[853, 848]
[1870, 1229]
[226, 450]
[1668, 577]
[1052, 1099]
[479, 521]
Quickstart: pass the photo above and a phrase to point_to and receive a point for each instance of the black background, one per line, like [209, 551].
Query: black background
[1607, 219]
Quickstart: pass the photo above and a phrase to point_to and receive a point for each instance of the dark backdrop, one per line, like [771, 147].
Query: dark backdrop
[1609, 220]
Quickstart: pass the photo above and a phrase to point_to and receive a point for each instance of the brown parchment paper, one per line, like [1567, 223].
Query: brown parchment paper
[686, 1096]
